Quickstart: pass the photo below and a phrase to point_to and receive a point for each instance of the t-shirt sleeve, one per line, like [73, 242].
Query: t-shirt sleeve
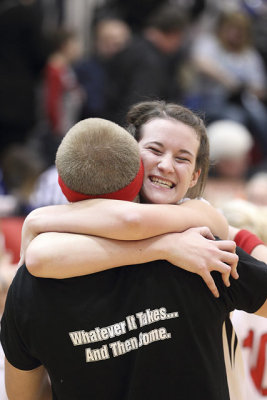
[12, 341]
[249, 292]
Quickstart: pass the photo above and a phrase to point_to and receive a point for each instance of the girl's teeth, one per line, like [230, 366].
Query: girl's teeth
[162, 182]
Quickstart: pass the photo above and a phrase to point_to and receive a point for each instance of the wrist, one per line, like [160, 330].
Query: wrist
[159, 247]
[247, 240]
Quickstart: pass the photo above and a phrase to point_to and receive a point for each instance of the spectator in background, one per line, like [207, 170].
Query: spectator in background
[256, 189]
[243, 214]
[7, 272]
[23, 52]
[21, 167]
[53, 14]
[230, 76]
[251, 331]
[230, 149]
[146, 68]
[128, 68]
[111, 36]
[258, 13]
[136, 12]
[63, 96]
[47, 191]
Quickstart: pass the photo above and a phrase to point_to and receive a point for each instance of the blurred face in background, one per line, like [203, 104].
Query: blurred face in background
[234, 32]
[256, 189]
[72, 49]
[233, 168]
[166, 42]
[111, 37]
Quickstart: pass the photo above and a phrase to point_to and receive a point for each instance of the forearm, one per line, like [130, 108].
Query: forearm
[46, 256]
[199, 213]
[86, 217]
[215, 71]
[255, 247]
[249, 242]
[123, 220]
[260, 252]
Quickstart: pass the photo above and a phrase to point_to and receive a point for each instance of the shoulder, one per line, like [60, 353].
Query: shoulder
[251, 263]
[184, 199]
[20, 290]
[205, 43]
[251, 267]
[250, 290]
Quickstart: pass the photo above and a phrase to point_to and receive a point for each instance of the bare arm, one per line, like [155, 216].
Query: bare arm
[262, 312]
[122, 220]
[27, 385]
[46, 256]
[214, 70]
[260, 253]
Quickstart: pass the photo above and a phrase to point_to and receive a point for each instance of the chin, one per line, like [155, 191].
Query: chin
[157, 199]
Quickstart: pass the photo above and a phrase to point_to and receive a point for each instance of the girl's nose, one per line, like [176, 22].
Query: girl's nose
[166, 163]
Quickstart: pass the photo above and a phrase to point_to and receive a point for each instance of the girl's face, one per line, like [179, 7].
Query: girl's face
[169, 150]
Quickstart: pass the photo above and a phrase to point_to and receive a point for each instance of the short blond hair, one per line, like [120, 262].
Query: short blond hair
[97, 157]
[246, 215]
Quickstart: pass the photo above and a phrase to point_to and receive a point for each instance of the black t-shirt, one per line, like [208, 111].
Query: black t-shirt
[150, 331]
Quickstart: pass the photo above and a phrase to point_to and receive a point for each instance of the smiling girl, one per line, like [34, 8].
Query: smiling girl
[175, 153]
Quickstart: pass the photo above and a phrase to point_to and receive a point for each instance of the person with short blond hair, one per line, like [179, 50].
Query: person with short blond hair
[99, 334]
[87, 171]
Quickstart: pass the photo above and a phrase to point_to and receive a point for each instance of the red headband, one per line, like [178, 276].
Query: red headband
[127, 193]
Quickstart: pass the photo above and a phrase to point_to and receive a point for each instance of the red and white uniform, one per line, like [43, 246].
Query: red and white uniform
[252, 334]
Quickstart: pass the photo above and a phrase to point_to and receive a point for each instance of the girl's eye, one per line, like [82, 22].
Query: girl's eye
[182, 159]
[156, 151]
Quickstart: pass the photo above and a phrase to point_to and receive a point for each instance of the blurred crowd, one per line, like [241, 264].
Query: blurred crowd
[63, 60]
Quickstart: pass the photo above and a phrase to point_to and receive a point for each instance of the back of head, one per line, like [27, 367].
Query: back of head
[228, 140]
[59, 38]
[65, 45]
[167, 19]
[21, 166]
[256, 189]
[230, 145]
[97, 158]
[164, 29]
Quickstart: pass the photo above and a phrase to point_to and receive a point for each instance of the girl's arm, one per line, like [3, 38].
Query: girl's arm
[253, 246]
[48, 255]
[122, 220]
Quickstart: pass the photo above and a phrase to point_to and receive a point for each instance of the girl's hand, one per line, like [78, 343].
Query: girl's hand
[195, 250]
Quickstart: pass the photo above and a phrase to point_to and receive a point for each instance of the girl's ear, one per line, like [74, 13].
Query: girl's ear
[195, 177]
